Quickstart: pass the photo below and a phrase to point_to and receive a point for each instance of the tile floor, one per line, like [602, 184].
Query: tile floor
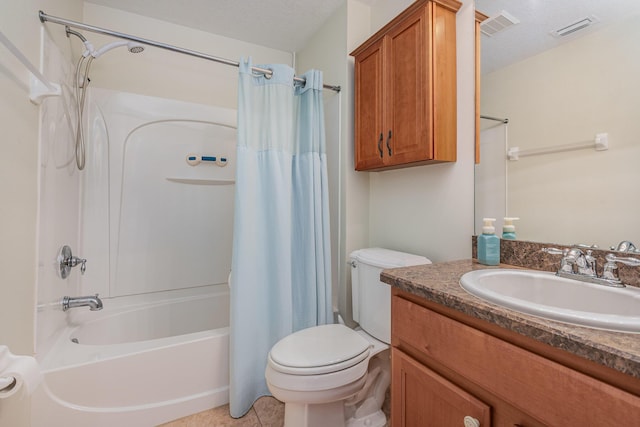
[266, 412]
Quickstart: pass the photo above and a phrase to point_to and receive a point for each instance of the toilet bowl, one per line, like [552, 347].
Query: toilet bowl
[332, 375]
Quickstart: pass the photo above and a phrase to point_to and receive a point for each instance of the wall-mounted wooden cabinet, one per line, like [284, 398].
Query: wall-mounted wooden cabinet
[405, 89]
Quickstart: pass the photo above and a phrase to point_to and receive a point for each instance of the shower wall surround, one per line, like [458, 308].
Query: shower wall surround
[151, 221]
[59, 195]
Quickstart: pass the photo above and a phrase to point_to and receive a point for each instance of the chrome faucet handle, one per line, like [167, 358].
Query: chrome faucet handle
[67, 261]
[625, 246]
[555, 251]
[610, 271]
[566, 265]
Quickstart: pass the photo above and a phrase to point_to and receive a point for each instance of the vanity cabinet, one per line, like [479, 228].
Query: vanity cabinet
[405, 89]
[448, 366]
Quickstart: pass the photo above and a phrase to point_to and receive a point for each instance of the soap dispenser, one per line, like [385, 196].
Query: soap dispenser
[488, 244]
[509, 229]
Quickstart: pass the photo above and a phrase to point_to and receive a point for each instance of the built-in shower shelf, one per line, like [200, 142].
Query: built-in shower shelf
[199, 181]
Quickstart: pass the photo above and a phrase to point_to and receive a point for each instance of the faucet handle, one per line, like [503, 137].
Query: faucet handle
[610, 271]
[555, 251]
[83, 266]
[634, 262]
[566, 265]
[67, 261]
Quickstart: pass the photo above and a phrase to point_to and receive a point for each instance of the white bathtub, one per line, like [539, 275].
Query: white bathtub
[138, 363]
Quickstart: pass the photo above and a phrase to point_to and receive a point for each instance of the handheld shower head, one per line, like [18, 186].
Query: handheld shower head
[131, 46]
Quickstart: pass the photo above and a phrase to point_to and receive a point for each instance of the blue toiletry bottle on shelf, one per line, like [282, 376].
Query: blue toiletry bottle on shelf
[509, 229]
[488, 244]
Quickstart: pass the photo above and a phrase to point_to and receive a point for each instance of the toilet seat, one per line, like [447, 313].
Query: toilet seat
[319, 350]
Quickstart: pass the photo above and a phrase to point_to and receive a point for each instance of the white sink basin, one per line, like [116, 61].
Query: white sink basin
[546, 295]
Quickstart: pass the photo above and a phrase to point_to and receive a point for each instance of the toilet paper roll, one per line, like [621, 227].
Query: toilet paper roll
[17, 372]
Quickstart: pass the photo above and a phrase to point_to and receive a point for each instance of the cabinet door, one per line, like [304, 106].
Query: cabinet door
[369, 102]
[422, 398]
[407, 132]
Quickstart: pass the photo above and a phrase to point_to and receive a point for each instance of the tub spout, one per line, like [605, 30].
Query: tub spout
[93, 302]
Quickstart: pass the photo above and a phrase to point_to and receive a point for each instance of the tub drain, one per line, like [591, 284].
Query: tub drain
[75, 340]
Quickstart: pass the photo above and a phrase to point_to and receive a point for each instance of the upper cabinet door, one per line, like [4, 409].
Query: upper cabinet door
[408, 119]
[368, 94]
[405, 89]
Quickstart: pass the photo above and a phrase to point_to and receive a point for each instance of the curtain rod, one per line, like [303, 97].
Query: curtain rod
[48, 18]
[505, 121]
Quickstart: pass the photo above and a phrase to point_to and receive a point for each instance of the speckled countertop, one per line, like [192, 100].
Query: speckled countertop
[439, 283]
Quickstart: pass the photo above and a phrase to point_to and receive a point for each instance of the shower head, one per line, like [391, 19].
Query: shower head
[131, 46]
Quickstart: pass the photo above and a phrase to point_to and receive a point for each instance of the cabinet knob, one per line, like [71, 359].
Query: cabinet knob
[389, 142]
[471, 422]
[380, 145]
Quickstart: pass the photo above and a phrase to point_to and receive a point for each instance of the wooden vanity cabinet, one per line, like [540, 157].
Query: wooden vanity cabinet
[444, 369]
[405, 89]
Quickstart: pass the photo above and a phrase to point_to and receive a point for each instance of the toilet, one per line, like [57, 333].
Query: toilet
[332, 375]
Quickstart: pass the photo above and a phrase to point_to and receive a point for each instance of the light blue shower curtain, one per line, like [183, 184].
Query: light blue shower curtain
[281, 262]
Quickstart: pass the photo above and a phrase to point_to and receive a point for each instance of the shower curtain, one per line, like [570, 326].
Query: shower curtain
[281, 278]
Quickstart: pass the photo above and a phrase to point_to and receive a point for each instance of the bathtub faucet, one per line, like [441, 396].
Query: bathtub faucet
[93, 302]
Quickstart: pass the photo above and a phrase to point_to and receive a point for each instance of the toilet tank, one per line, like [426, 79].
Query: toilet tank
[370, 297]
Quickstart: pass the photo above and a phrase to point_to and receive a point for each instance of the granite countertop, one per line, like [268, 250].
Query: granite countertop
[439, 283]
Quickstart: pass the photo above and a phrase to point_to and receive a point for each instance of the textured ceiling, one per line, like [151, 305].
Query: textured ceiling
[288, 24]
[537, 19]
[279, 24]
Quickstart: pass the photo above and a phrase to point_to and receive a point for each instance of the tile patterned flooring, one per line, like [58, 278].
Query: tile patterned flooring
[266, 412]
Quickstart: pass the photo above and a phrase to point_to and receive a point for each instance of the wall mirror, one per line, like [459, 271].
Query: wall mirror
[566, 75]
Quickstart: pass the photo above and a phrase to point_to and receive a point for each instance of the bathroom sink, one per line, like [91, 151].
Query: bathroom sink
[546, 295]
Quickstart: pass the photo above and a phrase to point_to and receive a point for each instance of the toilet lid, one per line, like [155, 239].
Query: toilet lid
[318, 350]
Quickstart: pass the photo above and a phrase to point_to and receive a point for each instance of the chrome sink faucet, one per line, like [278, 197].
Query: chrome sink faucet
[93, 302]
[578, 265]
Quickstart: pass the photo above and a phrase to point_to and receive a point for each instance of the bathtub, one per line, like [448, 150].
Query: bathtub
[141, 361]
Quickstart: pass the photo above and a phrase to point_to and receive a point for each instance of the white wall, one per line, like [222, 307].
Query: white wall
[491, 177]
[329, 51]
[567, 95]
[428, 210]
[19, 121]
[159, 72]
[317, 55]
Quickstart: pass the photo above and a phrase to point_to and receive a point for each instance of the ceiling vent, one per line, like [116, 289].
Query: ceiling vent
[575, 26]
[498, 23]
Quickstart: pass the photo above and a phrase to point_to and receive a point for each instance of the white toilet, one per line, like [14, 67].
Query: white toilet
[327, 375]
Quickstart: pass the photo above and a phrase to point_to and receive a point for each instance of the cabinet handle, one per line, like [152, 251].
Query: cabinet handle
[388, 142]
[471, 422]
[380, 145]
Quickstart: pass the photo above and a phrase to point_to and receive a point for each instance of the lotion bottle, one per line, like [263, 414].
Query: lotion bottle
[508, 229]
[488, 244]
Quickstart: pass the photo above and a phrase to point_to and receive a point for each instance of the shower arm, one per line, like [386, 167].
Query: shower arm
[56, 20]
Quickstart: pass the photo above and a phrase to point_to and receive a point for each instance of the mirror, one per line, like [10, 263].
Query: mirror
[558, 93]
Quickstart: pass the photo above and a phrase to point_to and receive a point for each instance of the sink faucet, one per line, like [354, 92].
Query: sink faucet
[93, 302]
[578, 265]
[625, 246]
